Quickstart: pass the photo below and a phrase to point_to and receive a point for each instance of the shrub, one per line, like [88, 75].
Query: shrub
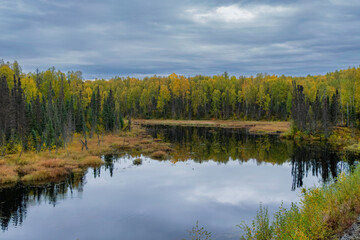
[159, 155]
[322, 213]
[137, 161]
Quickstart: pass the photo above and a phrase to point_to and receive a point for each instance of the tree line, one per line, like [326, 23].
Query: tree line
[318, 116]
[52, 113]
[42, 110]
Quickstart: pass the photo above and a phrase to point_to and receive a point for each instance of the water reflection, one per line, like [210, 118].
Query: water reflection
[109, 161]
[321, 161]
[224, 144]
[15, 201]
[237, 169]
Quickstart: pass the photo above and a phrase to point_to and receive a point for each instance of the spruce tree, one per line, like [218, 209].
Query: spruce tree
[108, 113]
[334, 109]
[22, 121]
[325, 116]
[4, 112]
[93, 114]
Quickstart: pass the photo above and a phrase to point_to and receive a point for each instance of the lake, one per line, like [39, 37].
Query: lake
[217, 177]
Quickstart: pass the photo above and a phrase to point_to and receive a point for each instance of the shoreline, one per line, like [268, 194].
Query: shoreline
[255, 127]
[43, 167]
[46, 166]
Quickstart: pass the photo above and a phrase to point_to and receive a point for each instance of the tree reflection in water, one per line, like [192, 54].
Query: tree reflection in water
[199, 144]
[15, 201]
[319, 160]
[224, 144]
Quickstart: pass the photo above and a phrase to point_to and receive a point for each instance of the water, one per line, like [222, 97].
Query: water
[217, 177]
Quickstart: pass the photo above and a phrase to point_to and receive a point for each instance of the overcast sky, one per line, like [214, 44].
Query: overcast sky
[145, 37]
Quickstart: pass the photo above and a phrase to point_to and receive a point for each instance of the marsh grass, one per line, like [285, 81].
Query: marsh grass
[323, 213]
[44, 166]
[161, 155]
[8, 174]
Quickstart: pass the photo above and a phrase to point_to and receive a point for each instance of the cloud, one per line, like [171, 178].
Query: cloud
[349, 3]
[238, 14]
[107, 38]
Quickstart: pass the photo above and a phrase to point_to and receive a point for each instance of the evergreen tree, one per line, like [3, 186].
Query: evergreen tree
[334, 109]
[49, 133]
[95, 103]
[108, 113]
[4, 112]
[299, 107]
[79, 114]
[325, 116]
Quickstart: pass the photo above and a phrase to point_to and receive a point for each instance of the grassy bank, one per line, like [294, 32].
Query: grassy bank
[323, 213]
[36, 168]
[262, 127]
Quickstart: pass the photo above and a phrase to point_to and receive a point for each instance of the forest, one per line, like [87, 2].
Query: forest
[42, 110]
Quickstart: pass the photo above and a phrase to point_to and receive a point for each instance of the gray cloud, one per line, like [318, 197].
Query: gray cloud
[107, 38]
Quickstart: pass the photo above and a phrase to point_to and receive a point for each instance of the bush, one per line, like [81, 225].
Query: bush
[159, 155]
[260, 227]
[322, 213]
[137, 161]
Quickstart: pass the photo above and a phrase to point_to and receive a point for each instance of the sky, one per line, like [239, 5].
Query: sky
[146, 37]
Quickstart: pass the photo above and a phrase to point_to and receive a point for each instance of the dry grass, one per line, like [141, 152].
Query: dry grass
[253, 126]
[8, 174]
[55, 169]
[40, 167]
[161, 155]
